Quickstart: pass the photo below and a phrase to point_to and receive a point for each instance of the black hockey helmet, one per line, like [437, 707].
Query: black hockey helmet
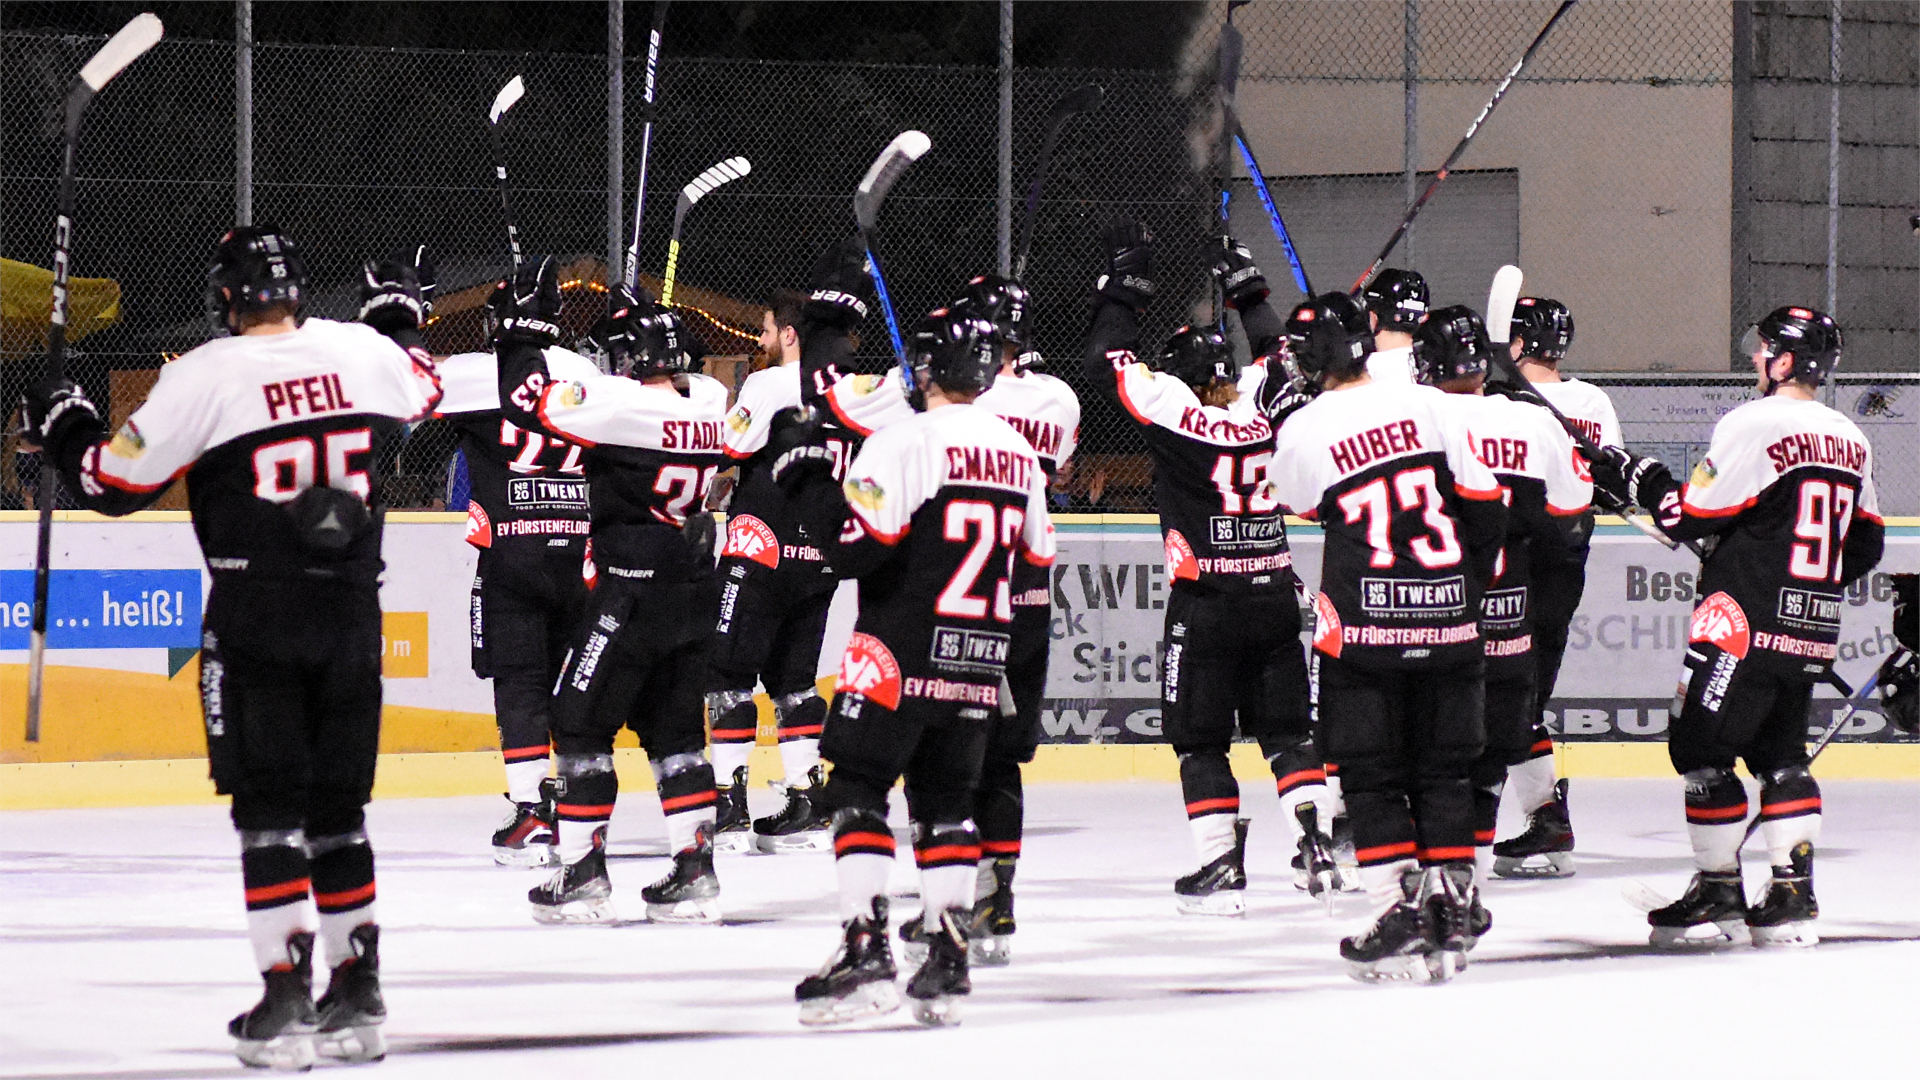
[958, 350]
[255, 267]
[1329, 334]
[1398, 297]
[1198, 356]
[1451, 344]
[1543, 327]
[1003, 302]
[1811, 336]
[644, 341]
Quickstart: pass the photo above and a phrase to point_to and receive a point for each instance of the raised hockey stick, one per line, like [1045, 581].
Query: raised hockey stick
[1227, 76]
[719, 173]
[631, 277]
[1078, 101]
[1500, 303]
[1260, 188]
[886, 170]
[1413, 211]
[508, 96]
[141, 33]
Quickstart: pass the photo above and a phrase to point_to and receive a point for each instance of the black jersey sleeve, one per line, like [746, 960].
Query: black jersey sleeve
[1114, 328]
[523, 377]
[1866, 542]
[1264, 328]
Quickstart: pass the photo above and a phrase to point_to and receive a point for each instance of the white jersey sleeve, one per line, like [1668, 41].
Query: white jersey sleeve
[616, 410]
[471, 381]
[762, 396]
[868, 403]
[892, 475]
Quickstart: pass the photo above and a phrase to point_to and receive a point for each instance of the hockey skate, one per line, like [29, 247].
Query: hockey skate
[1220, 887]
[799, 826]
[1448, 905]
[1712, 913]
[526, 838]
[578, 892]
[990, 931]
[352, 1010]
[1786, 912]
[277, 1033]
[733, 832]
[1545, 848]
[1394, 947]
[858, 979]
[1314, 870]
[691, 892]
[1344, 860]
[942, 979]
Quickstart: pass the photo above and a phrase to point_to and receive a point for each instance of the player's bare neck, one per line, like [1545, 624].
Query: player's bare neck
[940, 398]
[1797, 391]
[275, 320]
[660, 382]
[1334, 383]
[1391, 339]
[1538, 372]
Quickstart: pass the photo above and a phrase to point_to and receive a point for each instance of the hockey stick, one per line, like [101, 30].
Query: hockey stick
[1227, 76]
[1500, 303]
[1260, 188]
[1079, 101]
[502, 101]
[1647, 898]
[141, 33]
[893, 162]
[631, 279]
[1413, 211]
[719, 173]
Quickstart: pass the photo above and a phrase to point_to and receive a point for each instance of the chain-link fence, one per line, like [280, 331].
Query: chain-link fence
[1662, 167]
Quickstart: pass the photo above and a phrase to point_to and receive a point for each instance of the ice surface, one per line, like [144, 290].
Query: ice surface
[122, 955]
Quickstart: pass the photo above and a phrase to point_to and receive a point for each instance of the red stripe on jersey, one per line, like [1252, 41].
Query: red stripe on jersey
[1384, 853]
[1120, 383]
[1447, 854]
[583, 813]
[1000, 847]
[947, 853]
[1210, 806]
[1789, 808]
[340, 901]
[525, 753]
[1716, 814]
[833, 402]
[687, 802]
[547, 421]
[863, 843]
[744, 734]
[285, 889]
[1300, 777]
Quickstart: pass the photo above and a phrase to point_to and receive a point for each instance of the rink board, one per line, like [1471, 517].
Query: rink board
[122, 718]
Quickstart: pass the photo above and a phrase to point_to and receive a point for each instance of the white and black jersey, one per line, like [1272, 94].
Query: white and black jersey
[1786, 488]
[529, 485]
[1219, 520]
[254, 421]
[651, 454]
[1413, 522]
[1586, 406]
[1392, 365]
[939, 506]
[760, 525]
[1547, 489]
[1045, 411]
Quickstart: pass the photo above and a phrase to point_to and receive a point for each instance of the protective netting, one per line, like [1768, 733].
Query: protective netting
[1609, 173]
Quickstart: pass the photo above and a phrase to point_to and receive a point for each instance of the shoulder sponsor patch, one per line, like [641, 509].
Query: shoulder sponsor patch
[862, 385]
[865, 494]
[750, 538]
[740, 419]
[1704, 474]
[479, 528]
[1327, 635]
[1720, 621]
[868, 668]
[1181, 565]
[127, 443]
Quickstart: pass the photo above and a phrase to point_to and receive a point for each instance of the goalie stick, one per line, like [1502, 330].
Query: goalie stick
[721, 172]
[1647, 898]
[141, 33]
[1500, 303]
[508, 96]
[1413, 211]
[1079, 101]
[886, 170]
[631, 278]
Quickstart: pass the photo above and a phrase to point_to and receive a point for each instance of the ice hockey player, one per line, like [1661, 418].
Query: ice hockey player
[1413, 523]
[528, 517]
[1785, 500]
[1396, 303]
[277, 430]
[775, 588]
[937, 509]
[1547, 492]
[639, 656]
[1542, 333]
[1232, 648]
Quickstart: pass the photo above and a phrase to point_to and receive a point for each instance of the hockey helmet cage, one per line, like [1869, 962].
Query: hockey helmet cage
[1399, 298]
[1811, 336]
[1452, 344]
[1198, 356]
[1329, 334]
[957, 350]
[1543, 327]
[645, 344]
[1003, 302]
[255, 267]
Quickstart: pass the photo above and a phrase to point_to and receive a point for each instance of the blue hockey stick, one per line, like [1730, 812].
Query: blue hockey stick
[1273, 212]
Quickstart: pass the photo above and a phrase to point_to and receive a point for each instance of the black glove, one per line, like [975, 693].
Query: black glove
[838, 286]
[57, 410]
[1632, 480]
[1900, 689]
[395, 296]
[1128, 278]
[1240, 281]
[527, 310]
[702, 532]
[1282, 393]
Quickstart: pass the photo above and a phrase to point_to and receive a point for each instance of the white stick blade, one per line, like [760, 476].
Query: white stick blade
[1500, 300]
[908, 145]
[140, 34]
[505, 99]
[719, 173]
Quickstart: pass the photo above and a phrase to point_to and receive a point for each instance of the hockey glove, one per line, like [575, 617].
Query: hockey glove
[1240, 281]
[393, 296]
[1900, 689]
[793, 469]
[527, 310]
[1284, 392]
[1129, 275]
[838, 286]
[1631, 479]
[58, 410]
